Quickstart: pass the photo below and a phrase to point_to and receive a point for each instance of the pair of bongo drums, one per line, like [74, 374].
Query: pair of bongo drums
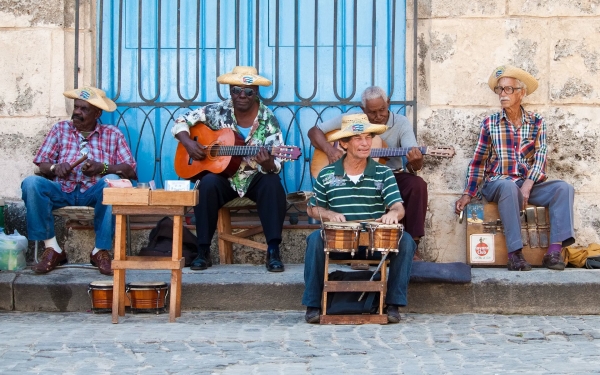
[143, 296]
[345, 237]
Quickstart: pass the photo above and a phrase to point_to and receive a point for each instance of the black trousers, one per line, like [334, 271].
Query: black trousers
[265, 189]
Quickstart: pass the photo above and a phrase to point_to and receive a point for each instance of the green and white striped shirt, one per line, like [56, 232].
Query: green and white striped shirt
[366, 200]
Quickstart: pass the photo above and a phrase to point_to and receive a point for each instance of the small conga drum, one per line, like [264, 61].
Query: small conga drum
[147, 296]
[384, 237]
[101, 295]
[341, 237]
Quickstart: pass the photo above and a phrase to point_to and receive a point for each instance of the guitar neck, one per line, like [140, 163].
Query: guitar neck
[241, 150]
[397, 151]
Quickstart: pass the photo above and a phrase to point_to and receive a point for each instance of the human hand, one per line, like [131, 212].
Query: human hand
[194, 149]
[62, 170]
[526, 190]
[92, 168]
[462, 203]
[334, 154]
[415, 159]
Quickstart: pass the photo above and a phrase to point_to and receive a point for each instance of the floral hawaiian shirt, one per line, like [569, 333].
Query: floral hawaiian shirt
[264, 132]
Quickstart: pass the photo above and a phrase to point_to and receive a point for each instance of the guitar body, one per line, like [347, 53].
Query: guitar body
[320, 159]
[187, 168]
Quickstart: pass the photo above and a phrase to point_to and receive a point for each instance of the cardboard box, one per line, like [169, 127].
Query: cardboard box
[162, 197]
[486, 243]
[126, 196]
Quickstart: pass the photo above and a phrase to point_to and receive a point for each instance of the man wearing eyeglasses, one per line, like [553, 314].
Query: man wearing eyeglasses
[257, 177]
[510, 161]
[75, 159]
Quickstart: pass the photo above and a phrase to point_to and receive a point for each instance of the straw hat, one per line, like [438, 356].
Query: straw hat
[356, 124]
[243, 75]
[92, 95]
[513, 72]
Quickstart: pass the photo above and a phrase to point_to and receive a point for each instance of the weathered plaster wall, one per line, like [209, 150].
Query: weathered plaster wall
[459, 43]
[36, 60]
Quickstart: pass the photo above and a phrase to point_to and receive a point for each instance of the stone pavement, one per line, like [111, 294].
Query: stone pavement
[279, 342]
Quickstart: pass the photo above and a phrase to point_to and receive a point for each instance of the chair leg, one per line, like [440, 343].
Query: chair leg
[35, 255]
[224, 226]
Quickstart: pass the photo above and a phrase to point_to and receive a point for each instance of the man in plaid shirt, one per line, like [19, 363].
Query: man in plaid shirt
[67, 183]
[510, 160]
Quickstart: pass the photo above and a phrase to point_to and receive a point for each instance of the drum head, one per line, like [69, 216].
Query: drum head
[101, 284]
[146, 285]
[341, 226]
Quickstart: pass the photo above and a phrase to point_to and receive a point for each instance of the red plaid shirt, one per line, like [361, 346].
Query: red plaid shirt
[506, 152]
[106, 144]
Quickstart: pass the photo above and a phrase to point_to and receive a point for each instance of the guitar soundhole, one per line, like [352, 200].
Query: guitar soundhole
[213, 151]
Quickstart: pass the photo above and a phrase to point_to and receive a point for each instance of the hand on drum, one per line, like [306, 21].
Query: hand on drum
[337, 217]
[389, 218]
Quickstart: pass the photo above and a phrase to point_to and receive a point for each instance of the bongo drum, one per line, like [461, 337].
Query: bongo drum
[341, 237]
[147, 296]
[101, 295]
[384, 237]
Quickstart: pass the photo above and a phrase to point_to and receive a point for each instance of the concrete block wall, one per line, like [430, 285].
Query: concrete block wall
[459, 43]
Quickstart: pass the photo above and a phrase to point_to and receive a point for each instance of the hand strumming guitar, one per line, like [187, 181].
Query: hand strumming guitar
[194, 149]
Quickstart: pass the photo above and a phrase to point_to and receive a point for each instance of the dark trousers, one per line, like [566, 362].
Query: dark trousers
[265, 189]
[413, 190]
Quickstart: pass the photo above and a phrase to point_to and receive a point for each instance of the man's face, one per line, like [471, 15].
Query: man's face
[510, 100]
[243, 96]
[377, 110]
[85, 115]
[359, 146]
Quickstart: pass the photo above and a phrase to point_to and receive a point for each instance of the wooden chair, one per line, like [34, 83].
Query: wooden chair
[354, 286]
[226, 238]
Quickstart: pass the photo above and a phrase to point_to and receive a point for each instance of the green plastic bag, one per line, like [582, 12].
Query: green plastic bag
[12, 251]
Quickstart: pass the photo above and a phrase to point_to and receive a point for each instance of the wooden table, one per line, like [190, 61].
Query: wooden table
[130, 201]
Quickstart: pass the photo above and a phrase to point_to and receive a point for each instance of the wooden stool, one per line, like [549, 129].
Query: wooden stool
[226, 238]
[354, 286]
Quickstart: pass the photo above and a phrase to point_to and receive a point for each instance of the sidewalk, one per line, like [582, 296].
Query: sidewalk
[252, 288]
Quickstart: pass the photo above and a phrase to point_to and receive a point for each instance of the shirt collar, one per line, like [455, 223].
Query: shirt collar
[370, 169]
[525, 116]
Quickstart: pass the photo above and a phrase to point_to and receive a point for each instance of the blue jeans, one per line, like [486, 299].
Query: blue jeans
[398, 278]
[557, 195]
[42, 196]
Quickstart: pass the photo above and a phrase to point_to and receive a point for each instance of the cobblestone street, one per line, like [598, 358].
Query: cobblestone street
[281, 343]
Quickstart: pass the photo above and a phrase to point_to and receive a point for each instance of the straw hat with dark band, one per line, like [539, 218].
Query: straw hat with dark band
[243, 75]
[513, 72]
[356, 124]
[94, 96]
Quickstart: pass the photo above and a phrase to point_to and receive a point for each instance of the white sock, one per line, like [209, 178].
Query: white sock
[95, 251]
[51, 242]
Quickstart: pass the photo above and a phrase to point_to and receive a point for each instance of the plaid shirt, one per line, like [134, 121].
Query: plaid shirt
[106, 144]
[506, 152]
[265, 131]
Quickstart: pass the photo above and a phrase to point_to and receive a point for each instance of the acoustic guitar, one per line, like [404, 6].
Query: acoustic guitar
[320, 159]
[225, 149]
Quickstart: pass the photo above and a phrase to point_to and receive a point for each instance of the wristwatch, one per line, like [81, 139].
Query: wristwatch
[52, 168]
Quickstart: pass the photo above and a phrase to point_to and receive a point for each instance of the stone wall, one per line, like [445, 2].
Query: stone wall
[459, 43]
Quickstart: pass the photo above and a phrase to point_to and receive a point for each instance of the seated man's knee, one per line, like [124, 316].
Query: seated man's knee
[31, 183]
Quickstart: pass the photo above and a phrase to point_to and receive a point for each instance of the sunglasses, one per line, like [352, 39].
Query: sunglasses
[236, 90]
[83, 146]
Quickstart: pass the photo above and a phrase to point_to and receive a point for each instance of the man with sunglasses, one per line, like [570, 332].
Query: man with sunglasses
[257, 177]
[510, 161]
[66, 182]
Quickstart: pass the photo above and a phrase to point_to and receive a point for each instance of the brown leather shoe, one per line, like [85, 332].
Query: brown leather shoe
[516, 262]
[49, 260]
[102, 261]
[553, 261]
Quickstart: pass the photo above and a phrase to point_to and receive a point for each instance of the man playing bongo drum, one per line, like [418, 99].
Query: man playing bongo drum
[356, 188]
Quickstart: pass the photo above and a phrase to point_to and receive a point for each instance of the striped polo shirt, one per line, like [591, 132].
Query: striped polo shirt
[368, 199]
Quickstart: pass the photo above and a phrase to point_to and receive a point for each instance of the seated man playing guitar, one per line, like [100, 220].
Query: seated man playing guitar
[257, 176]
[375, 104]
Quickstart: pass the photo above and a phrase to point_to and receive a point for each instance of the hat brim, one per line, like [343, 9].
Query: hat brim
[243, 79]
[103, 103]
[372, 129]
[516, 73]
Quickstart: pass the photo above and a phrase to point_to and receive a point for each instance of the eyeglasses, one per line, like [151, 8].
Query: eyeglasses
[238, 90]
[507, 89]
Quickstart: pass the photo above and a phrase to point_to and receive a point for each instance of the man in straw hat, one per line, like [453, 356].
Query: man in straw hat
[257, 177]
[356, 188]
[375, 104]
[67, 184]
[510, 161]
